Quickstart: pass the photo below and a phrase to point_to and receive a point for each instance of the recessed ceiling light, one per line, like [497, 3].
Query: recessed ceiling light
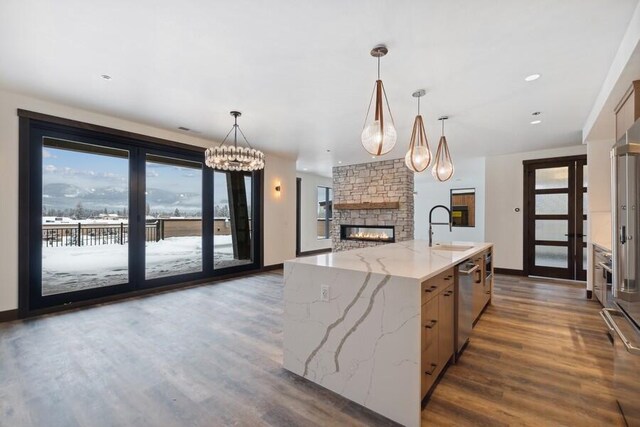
[532, 77]
[339, 162]
[305, 169]
[106, 76]
[536, 122]
[373, 157]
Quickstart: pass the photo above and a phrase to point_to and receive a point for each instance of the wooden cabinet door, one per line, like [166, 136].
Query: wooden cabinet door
[430, 323]
[446, 328]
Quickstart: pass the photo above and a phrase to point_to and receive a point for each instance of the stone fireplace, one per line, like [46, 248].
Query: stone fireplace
[372, 204]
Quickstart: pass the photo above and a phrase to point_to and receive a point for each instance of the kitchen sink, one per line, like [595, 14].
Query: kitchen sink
[460, 248]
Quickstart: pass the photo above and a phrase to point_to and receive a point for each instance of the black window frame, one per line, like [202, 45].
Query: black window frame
[33, 127]
[328, 211]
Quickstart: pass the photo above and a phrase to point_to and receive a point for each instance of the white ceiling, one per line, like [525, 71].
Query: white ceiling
[301, 72]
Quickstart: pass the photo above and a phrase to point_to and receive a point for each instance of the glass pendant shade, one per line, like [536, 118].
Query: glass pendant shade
[443, 168]
[234, 158]
[418, 157]
[379, 136]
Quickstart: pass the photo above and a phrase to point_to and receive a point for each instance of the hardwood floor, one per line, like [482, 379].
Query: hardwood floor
[539, 355]
[211, 356]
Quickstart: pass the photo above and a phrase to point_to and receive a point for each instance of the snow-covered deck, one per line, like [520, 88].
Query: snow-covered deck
[74, 268]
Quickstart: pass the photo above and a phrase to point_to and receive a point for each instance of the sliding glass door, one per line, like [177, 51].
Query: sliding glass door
[105, 215]
[85, 216]
[173, 217]
[233, 220]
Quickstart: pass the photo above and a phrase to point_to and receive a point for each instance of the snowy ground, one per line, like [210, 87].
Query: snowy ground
[72, 268]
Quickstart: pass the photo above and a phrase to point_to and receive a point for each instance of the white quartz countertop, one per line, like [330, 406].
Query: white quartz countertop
[412, 259]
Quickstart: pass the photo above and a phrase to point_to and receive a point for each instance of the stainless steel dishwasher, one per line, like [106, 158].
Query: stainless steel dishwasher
[464, 303]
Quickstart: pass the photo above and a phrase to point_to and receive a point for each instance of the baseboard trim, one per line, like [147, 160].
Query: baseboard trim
[272, 267]
[589, 294]
[315, 252]
[8, 315]
[508, 271]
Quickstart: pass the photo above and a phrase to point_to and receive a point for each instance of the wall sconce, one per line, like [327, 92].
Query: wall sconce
[278, 188]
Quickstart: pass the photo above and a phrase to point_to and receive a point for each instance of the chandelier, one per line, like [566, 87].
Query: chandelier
[443, 168]
[379, 136]
[418, 157]
[234, 158]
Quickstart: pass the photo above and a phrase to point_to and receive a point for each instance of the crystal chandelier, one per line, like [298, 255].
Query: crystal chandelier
[418, 157]
[443, 167]
[232, 157]
[379, 136]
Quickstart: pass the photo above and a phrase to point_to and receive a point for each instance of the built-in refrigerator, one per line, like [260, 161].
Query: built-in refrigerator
[623, 320]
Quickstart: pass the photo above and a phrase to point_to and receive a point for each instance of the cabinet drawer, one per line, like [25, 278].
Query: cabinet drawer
[435, 285]
[429, 322]
[430, 368]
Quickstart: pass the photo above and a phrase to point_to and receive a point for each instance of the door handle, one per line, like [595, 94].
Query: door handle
[623, 235]
[470, 271]
[611, 324]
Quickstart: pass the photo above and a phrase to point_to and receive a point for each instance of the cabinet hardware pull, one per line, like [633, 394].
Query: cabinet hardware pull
[431, 325]
[428, 290]
[488, 292]
[448, 294]
[433, 368]
[434, 286]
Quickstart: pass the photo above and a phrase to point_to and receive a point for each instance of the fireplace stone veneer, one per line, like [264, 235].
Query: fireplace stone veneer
[369, 183]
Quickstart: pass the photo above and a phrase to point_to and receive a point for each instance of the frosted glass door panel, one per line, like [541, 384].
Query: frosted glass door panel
[552, 256]
[552, 178]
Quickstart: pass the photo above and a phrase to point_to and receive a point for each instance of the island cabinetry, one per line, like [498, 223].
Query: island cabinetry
[437, 323]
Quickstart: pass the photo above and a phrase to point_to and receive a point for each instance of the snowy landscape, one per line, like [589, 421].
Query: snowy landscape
[73, 268]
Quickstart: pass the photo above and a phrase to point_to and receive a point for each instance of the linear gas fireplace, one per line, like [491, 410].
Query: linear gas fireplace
[368, 233]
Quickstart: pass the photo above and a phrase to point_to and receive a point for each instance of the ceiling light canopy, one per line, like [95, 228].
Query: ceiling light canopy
[232, 157]
[443, 168]
[532, 77]
[379, 135]
[418, 157]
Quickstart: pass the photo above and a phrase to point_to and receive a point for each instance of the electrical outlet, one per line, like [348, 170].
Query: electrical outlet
[324, 292]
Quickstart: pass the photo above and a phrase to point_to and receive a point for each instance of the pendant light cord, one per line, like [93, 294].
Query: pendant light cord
[235, 128]
[378, 68]
[419, 105]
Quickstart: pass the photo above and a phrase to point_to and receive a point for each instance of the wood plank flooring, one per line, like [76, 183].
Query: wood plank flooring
[539, 355]
[211, 356]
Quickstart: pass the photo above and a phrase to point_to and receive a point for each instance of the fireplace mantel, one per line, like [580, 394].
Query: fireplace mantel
[366, 205]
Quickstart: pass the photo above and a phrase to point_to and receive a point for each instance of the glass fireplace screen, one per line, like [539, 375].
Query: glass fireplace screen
[370, 233]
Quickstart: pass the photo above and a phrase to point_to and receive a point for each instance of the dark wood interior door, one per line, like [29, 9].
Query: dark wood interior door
[555, 194]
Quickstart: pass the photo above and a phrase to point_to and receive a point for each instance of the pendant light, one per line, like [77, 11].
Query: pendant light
[443, 167]
[379, 136]
[418, 158]
[232, 157]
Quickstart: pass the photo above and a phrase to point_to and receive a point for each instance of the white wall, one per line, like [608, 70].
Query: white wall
[309, 211]
[599, 201]
[504, 193]
[469, 173]
[279, 212]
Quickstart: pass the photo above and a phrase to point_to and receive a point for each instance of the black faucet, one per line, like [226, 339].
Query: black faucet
[438, 223]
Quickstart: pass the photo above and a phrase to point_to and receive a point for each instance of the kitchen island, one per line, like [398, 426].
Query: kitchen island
[375, 325]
